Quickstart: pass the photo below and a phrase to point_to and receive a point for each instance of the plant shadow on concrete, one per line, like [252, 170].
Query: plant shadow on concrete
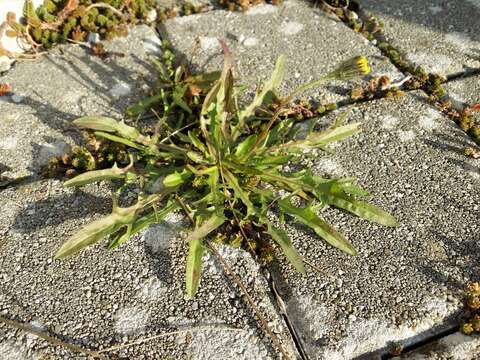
[90, 74]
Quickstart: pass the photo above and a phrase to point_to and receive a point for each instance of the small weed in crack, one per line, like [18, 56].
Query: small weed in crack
[221, 163]
[472, 302]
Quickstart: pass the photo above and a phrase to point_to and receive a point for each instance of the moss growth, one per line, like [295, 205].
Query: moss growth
[378, 87]
[97, 154]
[57, 21]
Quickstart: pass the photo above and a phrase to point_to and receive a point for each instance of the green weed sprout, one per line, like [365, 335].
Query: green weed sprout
[221, 164]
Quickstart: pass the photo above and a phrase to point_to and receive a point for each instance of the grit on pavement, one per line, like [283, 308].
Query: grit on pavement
[404, 286]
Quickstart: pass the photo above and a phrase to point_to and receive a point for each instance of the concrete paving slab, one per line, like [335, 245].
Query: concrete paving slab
[453, 347]
[441, 35]
[405, 284]
[67, 83]
[314, 44]
[102, 298]
[464, 90]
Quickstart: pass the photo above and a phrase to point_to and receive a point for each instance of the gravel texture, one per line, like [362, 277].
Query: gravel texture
[404, 285]
[464, 91]
[440, 35]
[100, 298]
[313, 43]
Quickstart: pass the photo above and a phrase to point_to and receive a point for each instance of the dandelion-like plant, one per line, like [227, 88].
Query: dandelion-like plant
[222, 164]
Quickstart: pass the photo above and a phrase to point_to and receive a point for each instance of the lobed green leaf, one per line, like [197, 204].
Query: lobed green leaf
[322, 228]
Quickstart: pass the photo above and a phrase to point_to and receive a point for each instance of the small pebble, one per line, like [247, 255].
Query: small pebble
[17, 98]
[93, 37]
[151, 16]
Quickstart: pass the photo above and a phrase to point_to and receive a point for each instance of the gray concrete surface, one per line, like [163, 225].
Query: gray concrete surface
[313, 43]
[404, 285]
[440, 35]
[464, 91]
[102, 298]
[453, 347]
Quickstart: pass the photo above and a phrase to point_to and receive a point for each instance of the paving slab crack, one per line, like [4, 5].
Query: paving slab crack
[353, 15]
[282, 311]
[419, 344]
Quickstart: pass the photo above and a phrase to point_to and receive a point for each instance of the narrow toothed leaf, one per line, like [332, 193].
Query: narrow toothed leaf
[152, 218]
[97, 175]
[194, 266]
[195, 252]
[239, 193]
[197, 142]
[245, 146]
[144, 105]
[364, 210]
[102, 123]
[282, 239]
[196, 157]
[322, 228]
[270, 86]
[118, 139]
[97, 230]
[336, 134]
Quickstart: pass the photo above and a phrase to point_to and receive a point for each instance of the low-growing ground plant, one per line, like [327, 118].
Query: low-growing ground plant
[59, 21]
[221, 162]
[472, 309]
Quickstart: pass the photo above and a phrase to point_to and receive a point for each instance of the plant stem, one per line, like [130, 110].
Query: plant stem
[140, 341]
[185, 208]
[51, 339]
[236, 279]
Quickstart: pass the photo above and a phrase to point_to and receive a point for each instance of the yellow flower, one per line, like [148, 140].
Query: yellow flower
[350, 69]
[362, 65]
